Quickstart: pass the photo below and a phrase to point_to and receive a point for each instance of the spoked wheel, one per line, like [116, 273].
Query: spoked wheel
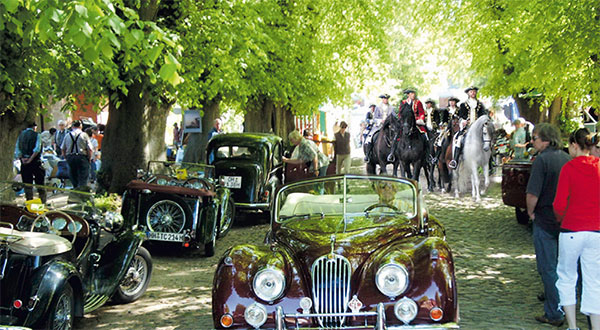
[166, 215]
[227, 217]
[62, 310]
[137, 278]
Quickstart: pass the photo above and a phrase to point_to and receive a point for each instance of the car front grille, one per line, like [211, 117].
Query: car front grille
[331, 288]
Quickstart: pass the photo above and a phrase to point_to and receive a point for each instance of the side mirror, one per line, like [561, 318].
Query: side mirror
[113, 221]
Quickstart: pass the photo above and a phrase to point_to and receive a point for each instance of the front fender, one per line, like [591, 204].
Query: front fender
[46, 282]
[232, 285]
[208, 222]
[114, 262]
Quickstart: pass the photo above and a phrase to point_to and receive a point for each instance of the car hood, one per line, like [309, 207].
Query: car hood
[357, 244]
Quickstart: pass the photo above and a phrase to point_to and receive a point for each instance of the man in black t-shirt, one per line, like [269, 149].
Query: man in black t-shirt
[541, 189]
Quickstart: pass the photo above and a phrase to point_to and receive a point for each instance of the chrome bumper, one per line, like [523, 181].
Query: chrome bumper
[280, 317]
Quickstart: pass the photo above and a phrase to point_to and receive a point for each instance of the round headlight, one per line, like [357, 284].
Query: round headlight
[268, 284]
[391, 280]
[406, 310]
[255, 315]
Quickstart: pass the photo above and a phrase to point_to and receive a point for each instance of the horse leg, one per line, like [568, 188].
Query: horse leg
[475, 183]
[455, 180]
[486, 177]
[371, 168]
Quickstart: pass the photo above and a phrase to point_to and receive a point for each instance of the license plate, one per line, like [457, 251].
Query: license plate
[233, 181]
[168, 237]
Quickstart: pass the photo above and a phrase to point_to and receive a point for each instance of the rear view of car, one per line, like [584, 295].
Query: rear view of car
[250, 165]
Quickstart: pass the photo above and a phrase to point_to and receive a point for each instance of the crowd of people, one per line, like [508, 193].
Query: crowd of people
[65, 151]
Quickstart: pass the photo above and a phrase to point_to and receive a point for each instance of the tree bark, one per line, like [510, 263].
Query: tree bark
[530, 109]
[555, 110]
[283, 118]
[134, 134]
[259, 118]
[11, 125]
[195, 150]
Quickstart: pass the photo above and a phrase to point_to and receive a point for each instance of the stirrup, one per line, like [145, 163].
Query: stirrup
[391, 158]
[452, 164]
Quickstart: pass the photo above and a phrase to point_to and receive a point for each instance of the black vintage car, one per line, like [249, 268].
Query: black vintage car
[64, 258]
[250, 164]
[180, 203]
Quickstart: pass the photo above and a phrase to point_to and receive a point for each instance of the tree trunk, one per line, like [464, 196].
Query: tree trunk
[11, 125]
[283, 118]
[555, 111]
[259, 118]
[195, 150]
[134, 134]
[530, 110]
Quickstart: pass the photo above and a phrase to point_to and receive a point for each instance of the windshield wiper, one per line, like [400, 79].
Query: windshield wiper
[305, 216]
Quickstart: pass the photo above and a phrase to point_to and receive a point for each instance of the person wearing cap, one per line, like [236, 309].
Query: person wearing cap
[59, 137]
[385, 107]
[27, 150]
[370, 129]
[417, 107]
[431, 114]
[468, 112]
[519, 138]
[451, 110]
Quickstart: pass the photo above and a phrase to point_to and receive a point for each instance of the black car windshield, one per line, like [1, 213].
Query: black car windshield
[362, 201]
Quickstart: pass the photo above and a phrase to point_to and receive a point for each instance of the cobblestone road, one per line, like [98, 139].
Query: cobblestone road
[495, 268]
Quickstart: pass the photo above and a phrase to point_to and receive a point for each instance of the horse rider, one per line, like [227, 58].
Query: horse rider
[443, 118]
[385, 107]
[468, 112]
[417, 107]
[374, 119]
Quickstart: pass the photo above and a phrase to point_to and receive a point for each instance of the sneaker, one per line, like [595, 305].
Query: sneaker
[544, 319]
[452, 164]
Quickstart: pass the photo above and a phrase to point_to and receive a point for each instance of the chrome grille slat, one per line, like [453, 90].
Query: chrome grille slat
[331, 288]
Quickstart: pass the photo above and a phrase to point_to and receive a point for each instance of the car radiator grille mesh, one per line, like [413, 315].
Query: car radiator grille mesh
[331, 288]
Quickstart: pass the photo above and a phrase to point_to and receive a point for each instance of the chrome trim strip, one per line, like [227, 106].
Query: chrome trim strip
[257, 205]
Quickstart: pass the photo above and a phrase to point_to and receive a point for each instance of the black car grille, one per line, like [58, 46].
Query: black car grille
[331, 288]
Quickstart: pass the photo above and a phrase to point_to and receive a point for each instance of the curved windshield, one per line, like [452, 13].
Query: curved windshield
[359, 200]
[13, 193]
[181, 170]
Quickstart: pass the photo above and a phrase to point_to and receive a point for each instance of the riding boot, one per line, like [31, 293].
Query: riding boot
[368, 147]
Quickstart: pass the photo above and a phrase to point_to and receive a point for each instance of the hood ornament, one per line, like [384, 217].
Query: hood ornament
[331, 255]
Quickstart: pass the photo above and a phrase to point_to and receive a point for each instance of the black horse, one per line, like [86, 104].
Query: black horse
[412, 147]
[383, 140]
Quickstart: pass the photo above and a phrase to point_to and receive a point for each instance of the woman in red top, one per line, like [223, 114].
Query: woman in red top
[577, 208]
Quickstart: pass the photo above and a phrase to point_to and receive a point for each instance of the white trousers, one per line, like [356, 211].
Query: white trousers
[585, 247]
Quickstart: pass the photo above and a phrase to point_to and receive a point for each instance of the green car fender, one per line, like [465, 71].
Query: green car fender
[115, 259]
[46, 283]
[209, 223]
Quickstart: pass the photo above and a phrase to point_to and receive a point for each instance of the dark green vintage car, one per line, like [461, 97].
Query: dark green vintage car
[180, 204]
[250, 164]
[64, 258]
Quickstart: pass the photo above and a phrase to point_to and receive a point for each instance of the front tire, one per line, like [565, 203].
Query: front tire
[209, 248]
[62, 310]
[137, 278]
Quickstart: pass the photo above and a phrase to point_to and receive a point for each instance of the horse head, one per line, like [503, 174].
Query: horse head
[407, 119]
[488, 133]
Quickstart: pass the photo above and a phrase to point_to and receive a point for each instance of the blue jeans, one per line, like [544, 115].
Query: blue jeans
[546, 256]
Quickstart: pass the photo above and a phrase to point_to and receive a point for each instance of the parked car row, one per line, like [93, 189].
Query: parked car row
[342, 251]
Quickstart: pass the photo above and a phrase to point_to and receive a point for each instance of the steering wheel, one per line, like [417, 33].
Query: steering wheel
[41, 217]
[392, 207]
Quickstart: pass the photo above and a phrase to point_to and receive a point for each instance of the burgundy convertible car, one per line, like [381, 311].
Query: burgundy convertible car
[342, 252]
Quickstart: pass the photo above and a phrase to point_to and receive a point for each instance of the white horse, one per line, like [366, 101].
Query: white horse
[476, 153]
